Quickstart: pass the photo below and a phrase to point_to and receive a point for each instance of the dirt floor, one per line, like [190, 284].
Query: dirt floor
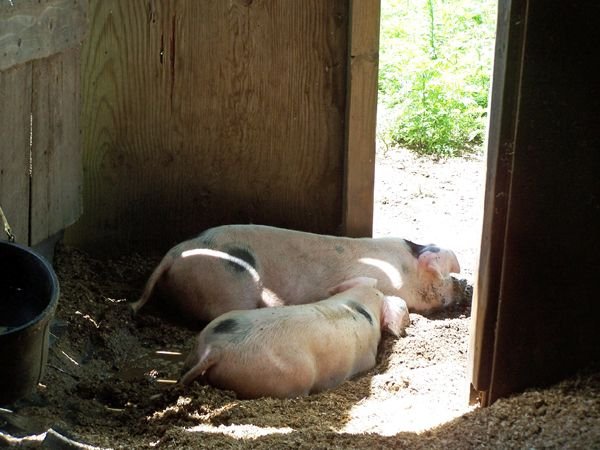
[110, 377]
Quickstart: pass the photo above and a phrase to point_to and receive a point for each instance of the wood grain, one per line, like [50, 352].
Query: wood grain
[361, 117]
[539, 273]
[504, 104]
[34, 29]
[15, 101]
[56, 148]
[547, 320]
[198, 113]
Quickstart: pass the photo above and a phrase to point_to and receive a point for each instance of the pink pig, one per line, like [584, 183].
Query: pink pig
[296, 350]
[252, 266]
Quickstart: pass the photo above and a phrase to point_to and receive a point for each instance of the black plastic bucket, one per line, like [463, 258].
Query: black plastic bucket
[28, 297]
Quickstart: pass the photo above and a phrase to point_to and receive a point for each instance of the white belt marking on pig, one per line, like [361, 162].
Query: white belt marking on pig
[269, 298]
[223, 255]
[392, 273]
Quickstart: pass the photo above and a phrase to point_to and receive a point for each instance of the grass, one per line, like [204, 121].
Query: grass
[434, 74]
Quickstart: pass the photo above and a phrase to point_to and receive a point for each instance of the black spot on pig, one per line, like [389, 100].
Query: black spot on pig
[339, 249]
[232, 330]
[415, 249]
[361, 310]
[418, 249]
[226, 326]
[243, 254]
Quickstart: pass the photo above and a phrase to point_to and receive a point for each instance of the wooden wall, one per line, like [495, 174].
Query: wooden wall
[40, 159]
[198, 113]
[536, 302]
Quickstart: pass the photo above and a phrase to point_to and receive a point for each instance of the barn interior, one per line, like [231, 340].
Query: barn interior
[126, 127]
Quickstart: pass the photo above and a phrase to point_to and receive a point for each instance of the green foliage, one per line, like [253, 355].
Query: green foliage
[435, 66]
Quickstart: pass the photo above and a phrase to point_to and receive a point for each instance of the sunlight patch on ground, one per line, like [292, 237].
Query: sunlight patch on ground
[391, 416]
[431, 405]
[239, 431]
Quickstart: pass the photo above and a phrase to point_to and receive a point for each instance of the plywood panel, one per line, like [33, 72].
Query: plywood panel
[198, 113]
[56, 150]
[15, 101]
[34, 29]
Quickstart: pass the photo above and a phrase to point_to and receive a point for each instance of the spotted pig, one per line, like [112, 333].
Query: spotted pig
[235, 267]
[288, 351]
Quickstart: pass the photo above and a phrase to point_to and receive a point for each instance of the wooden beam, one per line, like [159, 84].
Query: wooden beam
[34, 29]
[504, 104]
[361, 117]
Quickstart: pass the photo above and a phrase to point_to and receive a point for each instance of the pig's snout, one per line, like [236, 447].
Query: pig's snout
[462, 291]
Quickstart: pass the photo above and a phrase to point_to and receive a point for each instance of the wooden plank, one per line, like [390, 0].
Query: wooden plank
[56, 148]
[546, 310]
[361, 117]
[547, 320]
[33, 29]
[198, 113]
[504, 102]
[15, 98]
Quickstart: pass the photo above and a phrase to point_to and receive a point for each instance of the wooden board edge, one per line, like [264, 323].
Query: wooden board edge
[504, 108]
[361, 117]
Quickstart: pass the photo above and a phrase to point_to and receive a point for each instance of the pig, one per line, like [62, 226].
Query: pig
[235, 267]
[297, 350]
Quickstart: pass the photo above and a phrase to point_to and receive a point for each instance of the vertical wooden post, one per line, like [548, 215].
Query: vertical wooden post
[504, 102]
[361, 117]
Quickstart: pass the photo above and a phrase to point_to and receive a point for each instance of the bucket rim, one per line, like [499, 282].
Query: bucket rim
[54, 287]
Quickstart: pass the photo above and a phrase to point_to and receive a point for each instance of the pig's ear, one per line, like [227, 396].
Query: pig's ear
[440, 263]
[352, 282]
[395, 316]
[454, 265]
